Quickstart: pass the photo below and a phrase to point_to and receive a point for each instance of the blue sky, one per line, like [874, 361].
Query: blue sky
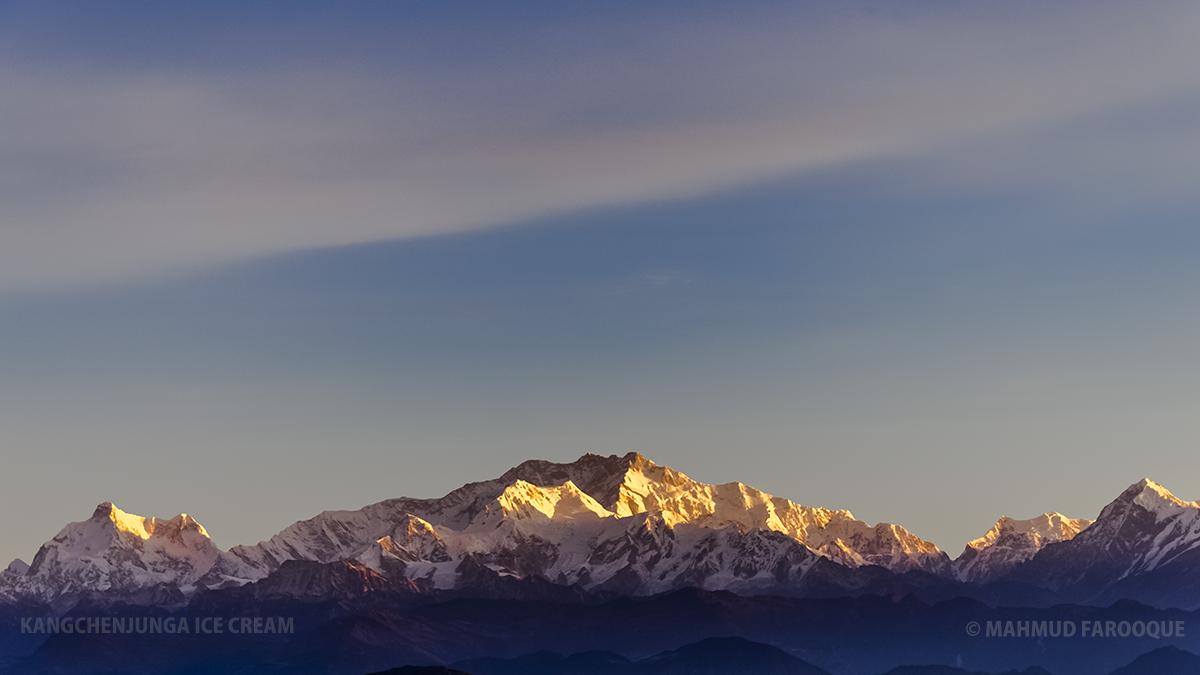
[932, 264]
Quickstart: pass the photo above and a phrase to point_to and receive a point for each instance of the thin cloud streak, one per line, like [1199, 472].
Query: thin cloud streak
[109, 173]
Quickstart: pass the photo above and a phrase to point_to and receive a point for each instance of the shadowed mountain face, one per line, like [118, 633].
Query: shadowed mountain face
[622, 524]
[1145, 546]
[114, 552]
[606, 527]
[1012, 542]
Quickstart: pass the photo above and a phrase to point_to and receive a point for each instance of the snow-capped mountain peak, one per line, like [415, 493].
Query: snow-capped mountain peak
[1011, 542]
[125, 522]
[620, 525]
[1042, 530]
[118, 550]
[1157, 499]
[1144, 544]
[550, 519]
[174, 529]
[565, 502]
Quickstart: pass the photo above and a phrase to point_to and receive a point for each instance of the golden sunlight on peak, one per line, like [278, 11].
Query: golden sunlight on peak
[145, 528]
[128, 522]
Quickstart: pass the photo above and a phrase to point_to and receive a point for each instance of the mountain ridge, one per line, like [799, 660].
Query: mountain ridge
[624, 525]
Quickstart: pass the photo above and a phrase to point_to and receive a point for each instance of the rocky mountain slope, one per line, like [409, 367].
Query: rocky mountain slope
[1144, 545]
[618, 524]
[117, 552]
[1012, 542]
[624, 526]
[622, 521]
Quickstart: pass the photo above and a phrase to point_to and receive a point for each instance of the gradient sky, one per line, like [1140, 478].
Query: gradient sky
[932, 262]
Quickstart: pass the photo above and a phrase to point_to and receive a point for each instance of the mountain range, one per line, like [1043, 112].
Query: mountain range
[624, 526]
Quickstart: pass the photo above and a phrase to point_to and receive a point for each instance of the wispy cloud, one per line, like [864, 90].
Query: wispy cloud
[119, 168]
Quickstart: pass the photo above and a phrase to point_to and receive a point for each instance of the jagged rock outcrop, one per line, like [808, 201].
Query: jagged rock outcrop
[624, 526]
[1012, 542]
[1145, 545]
